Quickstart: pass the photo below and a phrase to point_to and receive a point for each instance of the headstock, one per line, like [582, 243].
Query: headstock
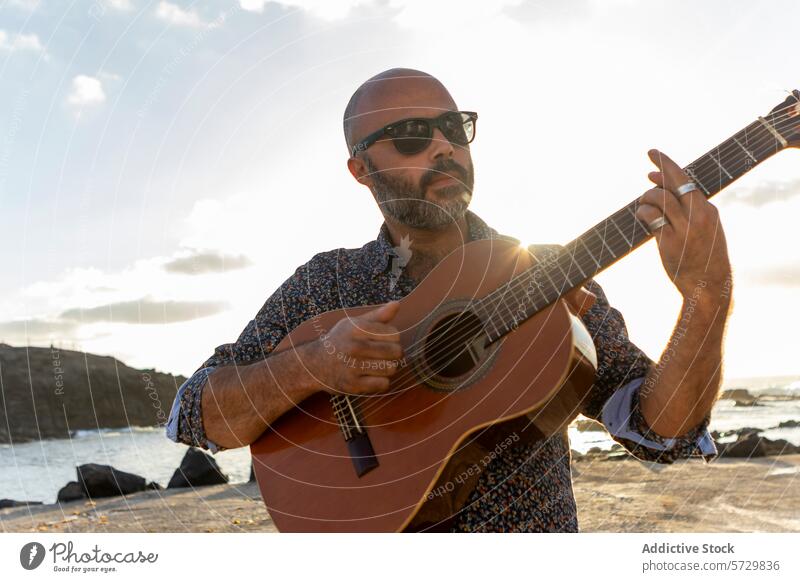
[785, 118]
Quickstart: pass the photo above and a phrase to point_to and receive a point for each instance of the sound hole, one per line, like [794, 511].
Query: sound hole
[452, 347]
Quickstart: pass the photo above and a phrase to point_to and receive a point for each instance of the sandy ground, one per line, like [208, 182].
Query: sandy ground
[760, 495]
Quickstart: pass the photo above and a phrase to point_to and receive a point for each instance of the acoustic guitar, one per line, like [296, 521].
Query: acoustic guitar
[491, 354]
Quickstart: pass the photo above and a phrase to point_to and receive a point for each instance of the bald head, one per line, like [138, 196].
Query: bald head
[381, 99]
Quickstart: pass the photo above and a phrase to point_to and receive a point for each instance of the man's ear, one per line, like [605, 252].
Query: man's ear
[359, 171]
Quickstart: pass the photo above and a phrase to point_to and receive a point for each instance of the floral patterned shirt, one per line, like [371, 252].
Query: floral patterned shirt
[528, 486]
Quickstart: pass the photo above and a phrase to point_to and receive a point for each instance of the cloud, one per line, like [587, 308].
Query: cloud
[201, 262]
[20, 42]
[86, 91]
[121, 5]
[145, 311]
[319, 8]
[34, 330]
[177, 16]
[774, 191]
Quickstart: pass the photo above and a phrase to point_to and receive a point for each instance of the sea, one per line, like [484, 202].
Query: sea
[35, 471]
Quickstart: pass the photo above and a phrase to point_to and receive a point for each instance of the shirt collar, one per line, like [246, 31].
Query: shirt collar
[381, 251]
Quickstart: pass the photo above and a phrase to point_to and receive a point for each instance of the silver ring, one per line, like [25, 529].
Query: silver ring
[686, 188]
[657, 223]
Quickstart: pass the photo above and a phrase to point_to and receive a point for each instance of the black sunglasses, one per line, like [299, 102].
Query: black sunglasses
[411, 136]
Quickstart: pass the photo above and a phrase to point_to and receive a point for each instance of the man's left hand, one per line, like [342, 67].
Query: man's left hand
[692, 244]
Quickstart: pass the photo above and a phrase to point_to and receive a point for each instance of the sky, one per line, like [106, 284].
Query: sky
[165, 165]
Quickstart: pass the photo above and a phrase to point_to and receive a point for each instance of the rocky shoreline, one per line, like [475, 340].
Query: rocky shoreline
[726, 495]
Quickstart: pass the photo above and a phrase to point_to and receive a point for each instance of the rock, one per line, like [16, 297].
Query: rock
[252, 473]
[789, 424]
[72, 491]
[751, 445]
[739, 432]
[153, 486]
[12, 503]
[106, 481]
[585, 425]
[741, 396]
[197, 468]
[779, 447]
[736, 394]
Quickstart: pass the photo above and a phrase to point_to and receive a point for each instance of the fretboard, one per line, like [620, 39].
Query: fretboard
[619, 234]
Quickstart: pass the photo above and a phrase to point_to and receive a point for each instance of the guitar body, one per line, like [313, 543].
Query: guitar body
[542, 369]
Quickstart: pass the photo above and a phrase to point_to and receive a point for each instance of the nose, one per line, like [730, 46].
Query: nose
[440, 145]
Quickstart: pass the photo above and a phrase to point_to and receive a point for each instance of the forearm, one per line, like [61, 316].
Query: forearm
[239, 402]
[680, 390]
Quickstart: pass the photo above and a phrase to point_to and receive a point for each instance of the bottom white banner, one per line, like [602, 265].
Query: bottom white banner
[406, 558]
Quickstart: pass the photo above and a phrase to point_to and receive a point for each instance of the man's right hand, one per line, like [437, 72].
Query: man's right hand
[360, 354]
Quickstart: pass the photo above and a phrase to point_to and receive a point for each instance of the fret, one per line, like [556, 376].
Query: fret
[578, 264]
[555, 287]
[774, 132]
[721, 167]
[636, 221]
[605, 244]
[591, 256]
[614, 222]
[748, 152]
[566, 275]
[691, 173]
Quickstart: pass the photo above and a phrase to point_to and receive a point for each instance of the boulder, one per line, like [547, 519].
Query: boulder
[106, 481]
[197, 469]
[740, 432]
[789, 424]
[72, 491]
[779, 447]
[13, 503]
[153, 486]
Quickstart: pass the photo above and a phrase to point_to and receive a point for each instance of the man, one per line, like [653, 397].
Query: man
[410, 146]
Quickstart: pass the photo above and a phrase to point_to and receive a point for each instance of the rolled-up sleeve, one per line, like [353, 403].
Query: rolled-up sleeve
[622, 416]
[185, 424]
[614, 397]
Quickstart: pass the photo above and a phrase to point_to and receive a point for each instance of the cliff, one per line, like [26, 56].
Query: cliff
[47, 392]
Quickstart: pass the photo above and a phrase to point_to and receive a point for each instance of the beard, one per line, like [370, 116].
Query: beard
[405, 202]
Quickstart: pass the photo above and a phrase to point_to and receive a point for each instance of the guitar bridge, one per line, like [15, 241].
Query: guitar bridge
[358, 444]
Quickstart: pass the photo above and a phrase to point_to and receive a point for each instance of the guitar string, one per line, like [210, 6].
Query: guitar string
[615, 238]
[501, 297]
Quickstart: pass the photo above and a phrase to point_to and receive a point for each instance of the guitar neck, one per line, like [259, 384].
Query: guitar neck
[618, 235]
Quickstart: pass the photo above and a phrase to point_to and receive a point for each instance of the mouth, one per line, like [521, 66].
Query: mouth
[444, 180]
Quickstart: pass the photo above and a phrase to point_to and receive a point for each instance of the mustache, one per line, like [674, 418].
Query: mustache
[449, 167]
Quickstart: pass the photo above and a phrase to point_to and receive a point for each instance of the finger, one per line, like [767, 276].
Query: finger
[384, 313]
[370, 384]
[667, 203]
[671, 175]
[377, 367]
[688, 200]
[375, 331]
[377, 350]
[648, 213]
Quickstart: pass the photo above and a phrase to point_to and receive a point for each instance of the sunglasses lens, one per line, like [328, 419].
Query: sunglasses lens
[455, 128]
[412, 137]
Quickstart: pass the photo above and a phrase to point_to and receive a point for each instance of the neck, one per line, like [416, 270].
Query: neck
[427, 243]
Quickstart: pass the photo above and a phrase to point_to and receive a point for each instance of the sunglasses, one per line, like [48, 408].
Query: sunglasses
[411, 136]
